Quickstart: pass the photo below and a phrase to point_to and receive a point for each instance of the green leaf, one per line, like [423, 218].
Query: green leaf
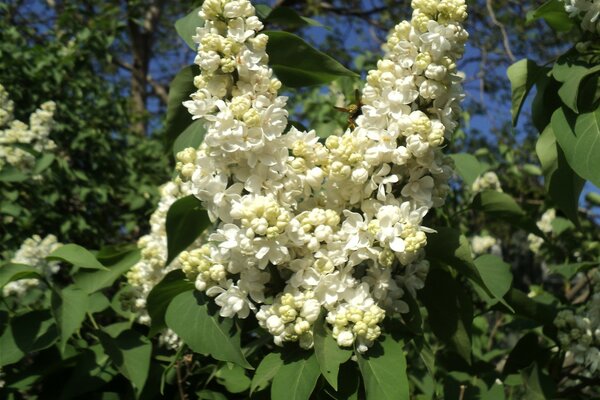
[539, 386]
[297, 378]
[496, 275]
[449, 247]
[525, 352]
[503, 206]
[130, 352]
[76, 255]
[186, 27]
[569, 92]
[383, 368]
[262, 11]
[297, 64]
[560, 225]
[210, 395]
[30, 332]
[191, 137]
[97, 280]
[267, 369]
[529, 308]
[13, 272]
[42, 163]
[450, 311]
[69, 307]
[329, 355]
[468, 167]
[91, 374]
[186, 220]
[522, 75]
[12, 174]
[178, 118]
[569, 270]
[553, 11]
[579, 138]
[233, 378]
[289, 18]
[562, 184]
[10, 353]
[98, 302]
[189, 317]
[161, 295]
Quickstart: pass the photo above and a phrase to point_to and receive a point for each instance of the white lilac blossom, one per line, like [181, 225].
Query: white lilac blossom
[33, 253]
[487, 181]
[14, 133]
[151, 268]
[335, 225]
[485, 244]
[545, 225]
[587, 11]
[579, 330]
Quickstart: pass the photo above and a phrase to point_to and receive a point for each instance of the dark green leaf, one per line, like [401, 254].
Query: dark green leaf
[233, 378]
[579, 138]
[522, 75]
[161, 295]
[210, 395]
[450, 311]
[178, 118]
[562, 184]
[43, 163]
[468, 167]
[569, 270]
[289, 18]
[186, 27]
[94, 281]
[297, 64]
[13, 272]
[189, 317]
[529, 308]
[383, 368]
[268, 367]
[525, 352]
[569, 92]
[495, 274]
[191, 137]
[553, 11]
[186, 220]
[262, 11]
[329, 355]
[34, 331]
[12, 174]
[297, 378]
[130, 352]
[69, 307]
[539, 386]
[76, 255]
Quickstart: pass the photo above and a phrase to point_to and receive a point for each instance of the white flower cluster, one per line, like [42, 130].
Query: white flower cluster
[545, 225]
[33, 252]
[485, 244]
[151, 268]
[305, 225]
[579, 332]
[487, 181]
[586, 10]
[14, 133]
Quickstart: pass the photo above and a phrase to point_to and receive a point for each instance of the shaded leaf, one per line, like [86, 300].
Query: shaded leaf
[13, 272]
[69, 307]
[297, 64]
[178, 118]
[496, 275]
[189, 317]
[383, 369]
[562, 184]
[297, 378]
[94, 281]
[579, 138]
[192, 136]
[186, 27]
[161, 295]
[268, 367]
[450, 311]
[329, 355]
[553, 11]
[130, 352]
[522, 75]
[76, 255]
[186, 220]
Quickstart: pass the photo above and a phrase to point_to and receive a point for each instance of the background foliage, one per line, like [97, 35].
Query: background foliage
[483, 327]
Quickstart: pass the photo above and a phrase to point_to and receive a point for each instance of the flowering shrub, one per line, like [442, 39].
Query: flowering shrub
[362, 261]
